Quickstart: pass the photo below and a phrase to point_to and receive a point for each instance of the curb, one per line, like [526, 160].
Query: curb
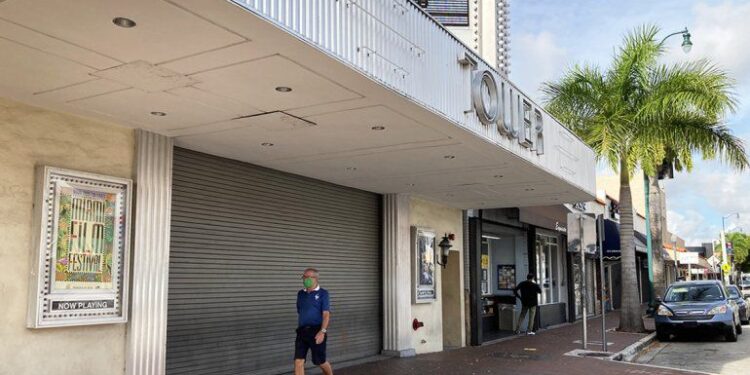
[627, 354]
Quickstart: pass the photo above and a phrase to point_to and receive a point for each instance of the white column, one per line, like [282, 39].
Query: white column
[396, 276]
[147, 330]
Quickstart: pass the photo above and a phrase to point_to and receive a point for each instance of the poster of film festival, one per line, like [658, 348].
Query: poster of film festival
[81, 251]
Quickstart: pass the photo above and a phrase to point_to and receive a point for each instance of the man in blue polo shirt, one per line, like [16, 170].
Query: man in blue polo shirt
[314, 313]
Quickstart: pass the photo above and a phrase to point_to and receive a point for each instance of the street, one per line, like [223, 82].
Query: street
[710, 355]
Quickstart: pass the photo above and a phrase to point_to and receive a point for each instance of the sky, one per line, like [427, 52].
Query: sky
[549, 36]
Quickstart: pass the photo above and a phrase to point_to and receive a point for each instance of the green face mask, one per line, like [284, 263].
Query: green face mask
[308, 282]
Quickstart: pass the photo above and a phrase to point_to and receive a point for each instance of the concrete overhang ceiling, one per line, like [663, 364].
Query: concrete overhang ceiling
[214, 77]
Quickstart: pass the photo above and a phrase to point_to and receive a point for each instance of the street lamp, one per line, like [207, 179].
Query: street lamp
[687, 45]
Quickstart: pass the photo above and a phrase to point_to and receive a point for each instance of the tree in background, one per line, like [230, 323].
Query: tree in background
[634, 114]
[741, 248]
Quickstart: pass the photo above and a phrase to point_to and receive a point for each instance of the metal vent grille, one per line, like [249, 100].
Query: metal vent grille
[447, 12]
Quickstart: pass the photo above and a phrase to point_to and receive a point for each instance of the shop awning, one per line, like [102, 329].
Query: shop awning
[611, 241]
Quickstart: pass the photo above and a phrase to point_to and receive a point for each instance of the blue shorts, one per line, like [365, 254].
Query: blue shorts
[306, 341]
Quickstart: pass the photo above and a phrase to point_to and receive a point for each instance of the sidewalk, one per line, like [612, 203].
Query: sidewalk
[542, 354]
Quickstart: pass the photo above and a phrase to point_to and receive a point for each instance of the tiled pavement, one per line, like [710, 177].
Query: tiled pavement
[542, 354]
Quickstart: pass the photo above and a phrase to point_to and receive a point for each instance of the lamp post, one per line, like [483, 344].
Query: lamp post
[724, 258]
[687, 45]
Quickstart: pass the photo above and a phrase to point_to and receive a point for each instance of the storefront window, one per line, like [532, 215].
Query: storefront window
[550, 268]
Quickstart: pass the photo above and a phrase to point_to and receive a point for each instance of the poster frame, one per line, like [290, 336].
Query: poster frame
[49, 306]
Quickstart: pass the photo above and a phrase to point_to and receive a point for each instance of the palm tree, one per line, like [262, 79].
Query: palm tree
[638, 112]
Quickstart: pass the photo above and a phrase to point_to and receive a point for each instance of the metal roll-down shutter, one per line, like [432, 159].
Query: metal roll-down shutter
[241, 237]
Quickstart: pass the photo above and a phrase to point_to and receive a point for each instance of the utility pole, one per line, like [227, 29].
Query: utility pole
[600, 232]
[583, 280]
[724, 257]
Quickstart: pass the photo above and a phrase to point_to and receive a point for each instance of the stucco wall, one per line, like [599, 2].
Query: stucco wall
[430, 338]
[31, 136]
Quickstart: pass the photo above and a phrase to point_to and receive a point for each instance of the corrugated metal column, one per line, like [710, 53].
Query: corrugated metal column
[396, 275]
[147, 340]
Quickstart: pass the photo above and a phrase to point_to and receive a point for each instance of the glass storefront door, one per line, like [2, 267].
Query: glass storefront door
[550, 265]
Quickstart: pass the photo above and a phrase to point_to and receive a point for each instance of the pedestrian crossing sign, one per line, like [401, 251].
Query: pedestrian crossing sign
[726, 267]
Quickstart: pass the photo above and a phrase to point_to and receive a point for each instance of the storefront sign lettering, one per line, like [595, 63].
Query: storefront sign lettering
[82, 305]
[560, 228]
[498, 104]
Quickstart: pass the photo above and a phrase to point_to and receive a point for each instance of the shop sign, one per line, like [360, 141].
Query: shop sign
[80, 272]
[688, 258]
[499, 105]
[560, 228]
[423, 265]
[581, 233]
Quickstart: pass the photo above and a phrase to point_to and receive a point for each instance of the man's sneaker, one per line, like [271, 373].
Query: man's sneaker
[518, 332]
[530, 333]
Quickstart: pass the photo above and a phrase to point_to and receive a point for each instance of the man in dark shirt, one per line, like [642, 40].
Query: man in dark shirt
[313, 315]
[529, 291]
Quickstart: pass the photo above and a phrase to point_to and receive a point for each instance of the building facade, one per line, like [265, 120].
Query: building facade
[263, 137]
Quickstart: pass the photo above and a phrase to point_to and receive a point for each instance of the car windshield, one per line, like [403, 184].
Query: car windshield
[734, 293]
[694, 293]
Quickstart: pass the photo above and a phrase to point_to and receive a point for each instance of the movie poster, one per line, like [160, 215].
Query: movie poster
[85, 238]
[423, 247]
[506, 276]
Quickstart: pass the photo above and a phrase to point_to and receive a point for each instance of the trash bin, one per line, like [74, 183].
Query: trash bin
[507, 316]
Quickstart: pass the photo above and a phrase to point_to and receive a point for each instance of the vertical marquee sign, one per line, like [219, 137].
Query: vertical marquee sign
[81, 249]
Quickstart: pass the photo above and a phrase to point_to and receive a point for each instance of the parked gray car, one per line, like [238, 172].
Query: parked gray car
[703, 306]
[736, 295]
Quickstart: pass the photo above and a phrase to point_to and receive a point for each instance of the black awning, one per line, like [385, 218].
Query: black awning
[611, 241]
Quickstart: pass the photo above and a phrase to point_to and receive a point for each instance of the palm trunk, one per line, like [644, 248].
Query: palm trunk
[630, 315]
[658, 218]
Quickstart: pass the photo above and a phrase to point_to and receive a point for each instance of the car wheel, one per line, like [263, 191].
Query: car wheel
[739, 329]
[662, 336]
[731, 336]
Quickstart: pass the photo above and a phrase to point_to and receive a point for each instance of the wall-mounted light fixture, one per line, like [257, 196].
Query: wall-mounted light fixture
[445, 249]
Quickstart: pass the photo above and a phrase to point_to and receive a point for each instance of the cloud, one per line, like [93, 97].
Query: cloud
[721, 33]
[543, 57]
[697, 201]
[690, 226]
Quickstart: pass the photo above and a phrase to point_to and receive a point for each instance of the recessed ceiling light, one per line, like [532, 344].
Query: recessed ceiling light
[267, 144]
[378, 128]
[450, 156]
[283, 89]
[157, 113]
[123, 22]
[351, 169]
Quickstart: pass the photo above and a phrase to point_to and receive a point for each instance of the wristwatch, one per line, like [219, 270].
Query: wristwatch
[324, 330]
